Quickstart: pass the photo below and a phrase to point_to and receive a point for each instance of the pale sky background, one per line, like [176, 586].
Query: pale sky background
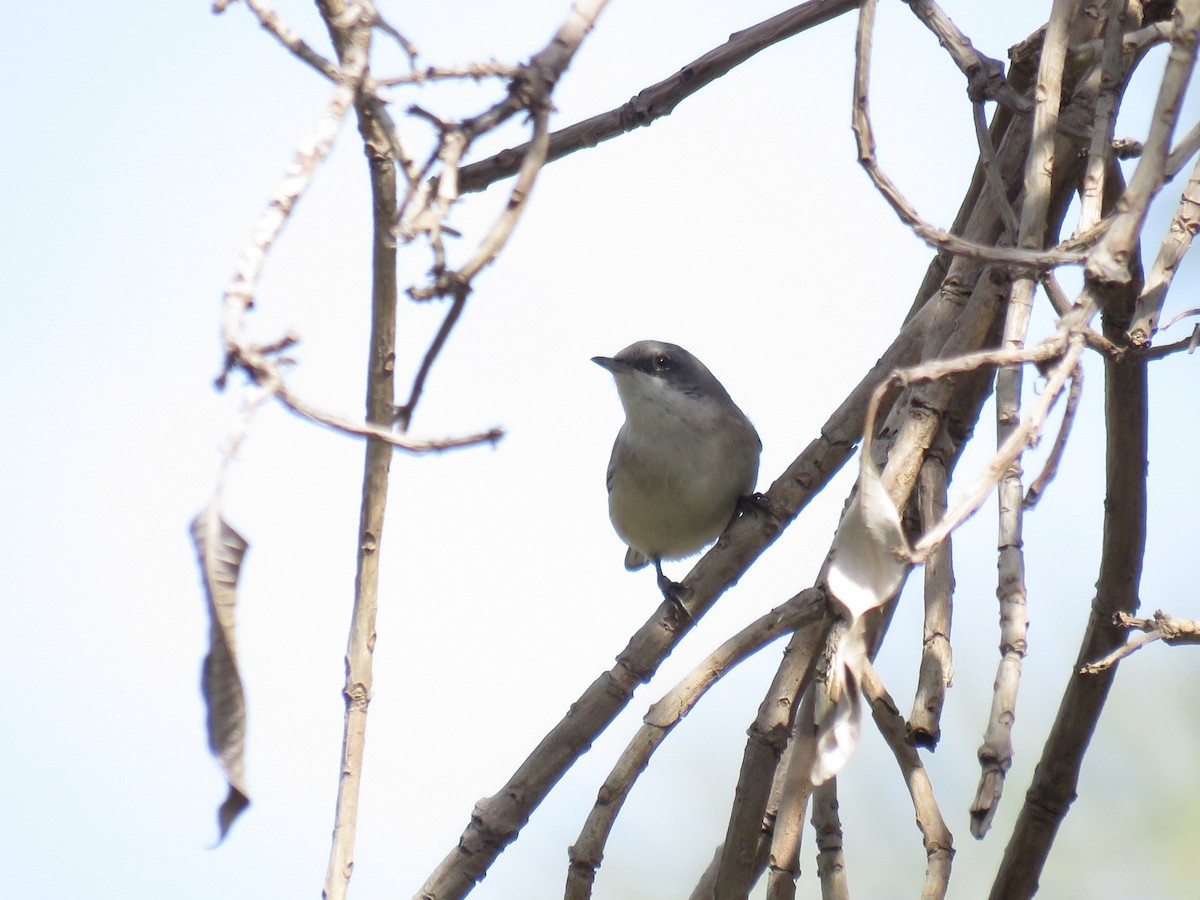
[142, 143]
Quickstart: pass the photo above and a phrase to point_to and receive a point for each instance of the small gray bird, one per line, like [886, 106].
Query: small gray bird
[684, 457]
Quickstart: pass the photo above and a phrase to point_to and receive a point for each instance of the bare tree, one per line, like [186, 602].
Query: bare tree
[1049, 140]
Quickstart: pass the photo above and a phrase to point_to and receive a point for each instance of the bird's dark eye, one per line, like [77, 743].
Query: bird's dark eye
[662, 362]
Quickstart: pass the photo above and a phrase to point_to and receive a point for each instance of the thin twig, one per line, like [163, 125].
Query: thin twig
[494, 241]
[1025, 435]
[936, 837]
[409, 48]
[310, 153]
[350, 31]
[1108, 263]
[1183, 151]
[987, 162]
[1162, 627]
[289, 38]
[536, 83]
[381, 433]
[1050, 469]
[403, 414]
[1063, 305]
[472, 71]
[1187, 313]
[660, 99]
[935, 237]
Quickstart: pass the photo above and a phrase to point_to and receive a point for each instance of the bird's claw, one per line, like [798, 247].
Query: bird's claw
[752, 503]
[673, 592]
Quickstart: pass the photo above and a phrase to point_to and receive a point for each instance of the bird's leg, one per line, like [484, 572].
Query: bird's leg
[672, 591]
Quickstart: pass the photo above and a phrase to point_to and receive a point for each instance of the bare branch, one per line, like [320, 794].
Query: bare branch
[1057, 775]
[987, 162]
[783, 819]
[660, 99]
[472, 71]
[1100, 151]
[1189, 344]
[1062, 305]
[1133, 43]
[985, 76]
[935, 237]
[804, 610]
[1108, 263]
[937, 667]
[311, 152]
[831, 860]
[1162, 627]
[1026, 434]
[283, 33]
[936, 837]
[403, 414]
[382, 433]
[351, 33]
[996, 751]
[1175, 243]
[768, 735]
[1183, 151]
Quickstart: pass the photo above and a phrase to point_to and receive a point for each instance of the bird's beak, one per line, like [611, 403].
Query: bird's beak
[616, 366]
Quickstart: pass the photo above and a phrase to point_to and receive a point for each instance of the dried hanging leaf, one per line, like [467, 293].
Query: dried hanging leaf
[220, 550]
[870, 552]
[840, 723]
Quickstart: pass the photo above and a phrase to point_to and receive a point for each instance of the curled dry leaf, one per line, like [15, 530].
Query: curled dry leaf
[870, 552]
[220, 550]
[840, 722]
[870, 558]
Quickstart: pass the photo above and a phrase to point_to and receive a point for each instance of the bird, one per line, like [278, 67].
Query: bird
[683, 460]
